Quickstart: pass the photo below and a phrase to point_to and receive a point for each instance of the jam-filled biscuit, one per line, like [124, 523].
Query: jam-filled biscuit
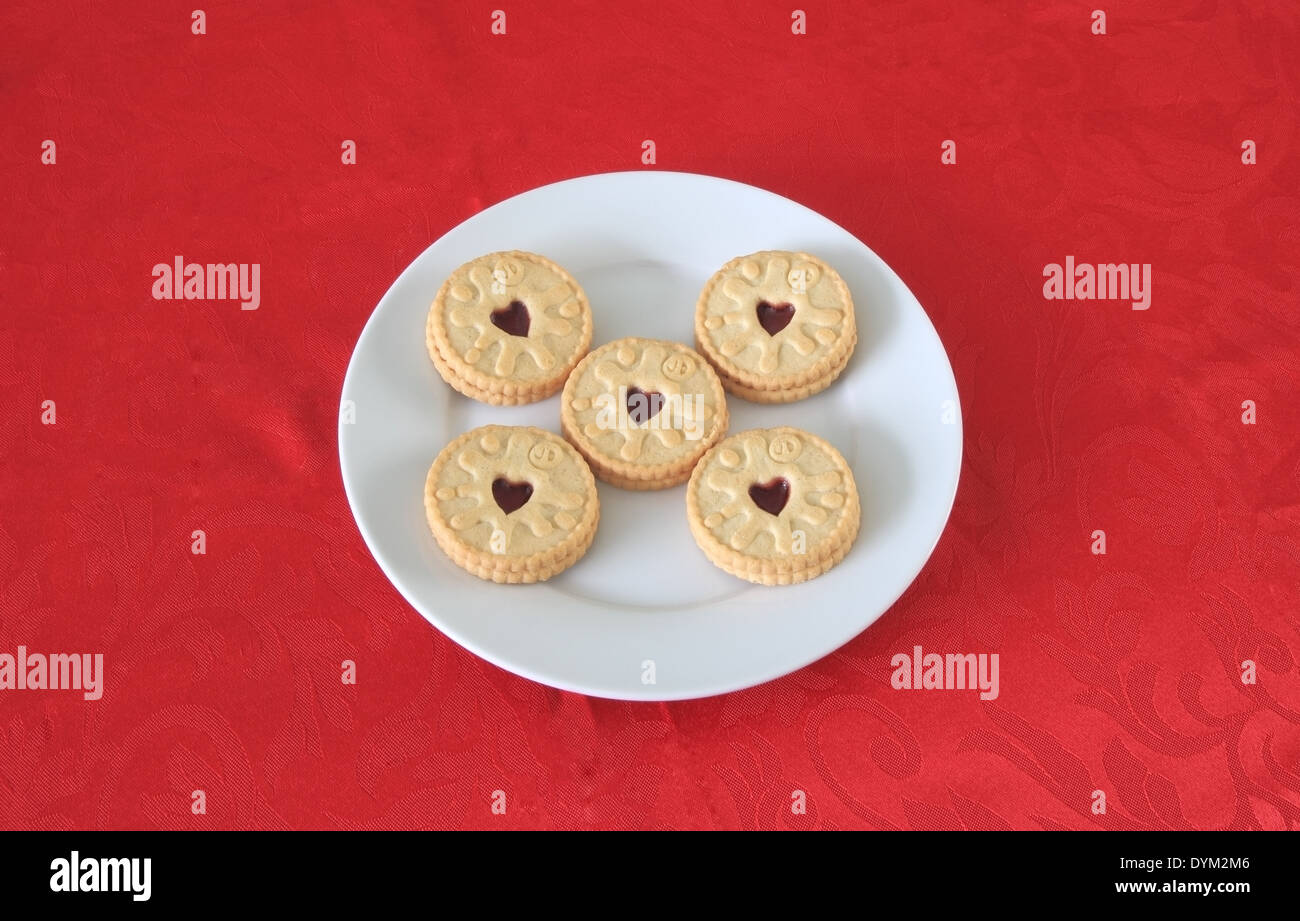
[507, 328]
[777, 326]
[774, 506]
[643, 412]
[511, 503]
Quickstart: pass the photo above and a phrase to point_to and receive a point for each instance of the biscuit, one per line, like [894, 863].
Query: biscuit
[773, 506]
[777, 326]
[643, 411]
[511, 503]
[507, 328]
[788, 395]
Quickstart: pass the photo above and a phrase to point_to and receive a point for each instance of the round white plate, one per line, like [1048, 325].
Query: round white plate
[644, 615]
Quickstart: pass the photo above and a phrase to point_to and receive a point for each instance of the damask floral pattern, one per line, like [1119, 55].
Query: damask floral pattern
[1120, 672]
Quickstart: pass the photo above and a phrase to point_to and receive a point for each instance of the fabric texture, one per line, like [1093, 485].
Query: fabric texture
[1172, 429]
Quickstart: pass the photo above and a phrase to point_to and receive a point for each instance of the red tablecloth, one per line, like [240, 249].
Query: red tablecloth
[1120, 673]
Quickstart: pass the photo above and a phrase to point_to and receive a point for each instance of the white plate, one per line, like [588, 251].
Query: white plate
[642, 244]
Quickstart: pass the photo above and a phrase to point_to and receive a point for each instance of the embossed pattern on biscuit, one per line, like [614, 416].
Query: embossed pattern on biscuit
[684, 400]
[685, 389]
[748, 466]
[774, 314]
[472, 508]
[551, 318]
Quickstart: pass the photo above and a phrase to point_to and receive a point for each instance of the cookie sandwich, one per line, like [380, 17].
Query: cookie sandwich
[777, 326]
[773, 506]
[643, 412]
[511, 503]
[507, 328]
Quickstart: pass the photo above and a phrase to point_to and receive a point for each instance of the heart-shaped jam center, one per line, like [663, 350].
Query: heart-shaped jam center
[514, 319]
[512, 496]
[771, 496]
[774, 317]
[643, 405]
